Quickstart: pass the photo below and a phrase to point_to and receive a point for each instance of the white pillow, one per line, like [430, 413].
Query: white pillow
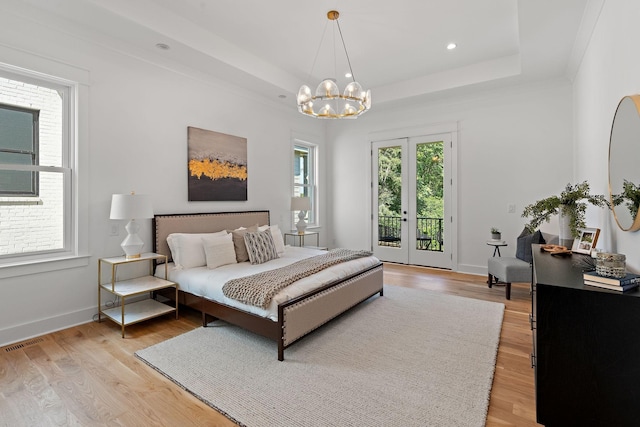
[187, 249]
[278, 239]
[219, 250]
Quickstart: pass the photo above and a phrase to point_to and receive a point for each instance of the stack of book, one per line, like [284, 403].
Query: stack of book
[626, 283]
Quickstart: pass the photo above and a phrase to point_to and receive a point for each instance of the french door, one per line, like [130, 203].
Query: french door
[411, 212]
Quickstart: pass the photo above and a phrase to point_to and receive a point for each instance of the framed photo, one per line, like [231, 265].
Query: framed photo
[586, 240]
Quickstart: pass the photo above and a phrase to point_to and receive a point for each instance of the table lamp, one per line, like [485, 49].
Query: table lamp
[301, 204]
[131, 206]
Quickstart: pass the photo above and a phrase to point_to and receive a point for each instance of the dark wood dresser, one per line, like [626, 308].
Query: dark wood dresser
[586, 348]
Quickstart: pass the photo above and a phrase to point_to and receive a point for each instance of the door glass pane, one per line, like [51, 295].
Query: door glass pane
[389, 195]
[429, 196]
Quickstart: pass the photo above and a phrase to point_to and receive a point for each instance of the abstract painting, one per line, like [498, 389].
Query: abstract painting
[217, 166]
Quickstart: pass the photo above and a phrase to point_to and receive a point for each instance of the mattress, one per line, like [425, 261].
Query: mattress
[207, 283]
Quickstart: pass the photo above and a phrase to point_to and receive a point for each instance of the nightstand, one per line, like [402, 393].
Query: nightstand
[299, 237]
[128, 314]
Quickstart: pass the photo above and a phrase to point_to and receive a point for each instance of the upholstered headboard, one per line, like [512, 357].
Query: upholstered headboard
[163, 225]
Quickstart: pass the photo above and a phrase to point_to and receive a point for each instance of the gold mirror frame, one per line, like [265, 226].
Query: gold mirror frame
[624, 153]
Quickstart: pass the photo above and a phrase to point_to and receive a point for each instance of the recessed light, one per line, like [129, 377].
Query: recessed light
[451, 46]
[163, 46]
[348, 75]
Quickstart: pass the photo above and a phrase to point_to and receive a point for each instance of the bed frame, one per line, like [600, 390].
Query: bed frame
[296, 317]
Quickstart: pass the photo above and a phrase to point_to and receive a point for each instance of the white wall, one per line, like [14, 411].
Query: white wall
[609, 70]
[514, 146]
[138, 118]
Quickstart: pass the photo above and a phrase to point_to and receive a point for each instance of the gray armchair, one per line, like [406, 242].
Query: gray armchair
[508, 270]
[519, 268]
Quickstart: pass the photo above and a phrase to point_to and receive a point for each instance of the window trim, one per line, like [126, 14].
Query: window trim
[75, 130]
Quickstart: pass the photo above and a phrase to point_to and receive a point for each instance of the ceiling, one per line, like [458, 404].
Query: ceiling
[397, 49]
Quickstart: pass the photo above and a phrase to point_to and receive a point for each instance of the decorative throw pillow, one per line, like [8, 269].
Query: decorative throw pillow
[187, 250]
[278, 239]
[260, 246]
[525, 240]
[238, 242]
[219, 250]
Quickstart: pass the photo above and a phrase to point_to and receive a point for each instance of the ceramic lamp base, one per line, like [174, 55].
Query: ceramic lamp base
[301, 225]
[132, 244]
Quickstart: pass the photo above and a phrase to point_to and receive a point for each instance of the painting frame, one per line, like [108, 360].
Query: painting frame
[217, 166]
[586, 240]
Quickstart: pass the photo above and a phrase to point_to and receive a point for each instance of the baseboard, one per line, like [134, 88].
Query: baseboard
[40, 327]
[473, 269]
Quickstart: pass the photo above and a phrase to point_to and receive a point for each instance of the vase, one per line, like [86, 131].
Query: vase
[564, 235]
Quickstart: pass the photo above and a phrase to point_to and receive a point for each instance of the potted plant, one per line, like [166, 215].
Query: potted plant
[571, 204]
[495, 233]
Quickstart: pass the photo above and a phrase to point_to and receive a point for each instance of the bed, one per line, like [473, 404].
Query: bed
[291, 316]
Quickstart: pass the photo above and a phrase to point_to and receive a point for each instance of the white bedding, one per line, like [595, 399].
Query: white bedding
[207, 283]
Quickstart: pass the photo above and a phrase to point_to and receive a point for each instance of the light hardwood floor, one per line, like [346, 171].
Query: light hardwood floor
[87, 375]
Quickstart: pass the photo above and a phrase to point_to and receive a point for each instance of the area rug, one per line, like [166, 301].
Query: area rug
[409, 358]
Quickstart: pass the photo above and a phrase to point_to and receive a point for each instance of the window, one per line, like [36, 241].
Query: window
[36, 154]
[304, 178]
[18, 145]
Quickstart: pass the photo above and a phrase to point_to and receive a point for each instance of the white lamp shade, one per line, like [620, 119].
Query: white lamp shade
[300, 203]
[131, 206]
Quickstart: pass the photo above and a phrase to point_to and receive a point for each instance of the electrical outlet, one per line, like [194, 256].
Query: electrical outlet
[114, 231]
[511, 208]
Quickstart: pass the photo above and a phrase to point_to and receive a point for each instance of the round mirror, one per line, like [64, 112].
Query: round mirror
[624, 173]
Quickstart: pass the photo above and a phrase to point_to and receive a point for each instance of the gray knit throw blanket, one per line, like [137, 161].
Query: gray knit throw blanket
[258, 289]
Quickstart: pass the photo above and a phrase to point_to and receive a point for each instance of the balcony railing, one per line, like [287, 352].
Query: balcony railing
[429, 232]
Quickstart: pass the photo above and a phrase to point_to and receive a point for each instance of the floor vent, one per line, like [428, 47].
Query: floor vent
[23, 344]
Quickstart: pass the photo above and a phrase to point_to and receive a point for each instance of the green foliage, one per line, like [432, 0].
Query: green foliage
[572, 202]
[389, 181]
[429, 181]
[494, 230]
[631, 195]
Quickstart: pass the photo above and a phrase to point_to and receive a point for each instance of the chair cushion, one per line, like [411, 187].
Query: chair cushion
[525, 240]
[510, 269]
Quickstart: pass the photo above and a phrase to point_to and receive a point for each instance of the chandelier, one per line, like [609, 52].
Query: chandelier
[328, 102]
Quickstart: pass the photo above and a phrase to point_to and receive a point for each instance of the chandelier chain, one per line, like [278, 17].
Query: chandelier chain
[335, 56]
[353, 77]
[313, 66]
